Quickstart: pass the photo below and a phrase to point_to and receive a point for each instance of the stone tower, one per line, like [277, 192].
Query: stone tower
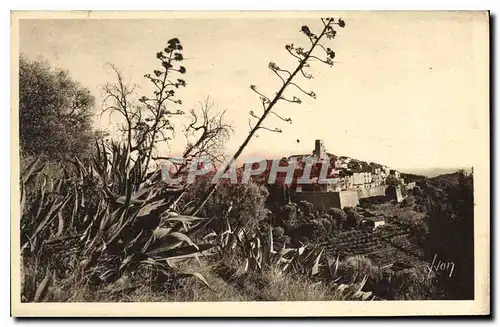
[319, 149]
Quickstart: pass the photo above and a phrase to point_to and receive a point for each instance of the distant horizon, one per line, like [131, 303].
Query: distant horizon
[436, 171]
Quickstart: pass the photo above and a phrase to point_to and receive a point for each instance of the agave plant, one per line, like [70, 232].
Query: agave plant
[134, 223]
[259, 254]
[353, 292]
[118, 220]
[47, 205]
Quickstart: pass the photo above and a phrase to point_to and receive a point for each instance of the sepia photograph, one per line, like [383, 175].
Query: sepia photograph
[327, 161]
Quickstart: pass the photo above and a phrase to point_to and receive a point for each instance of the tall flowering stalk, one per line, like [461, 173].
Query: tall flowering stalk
[287, 78]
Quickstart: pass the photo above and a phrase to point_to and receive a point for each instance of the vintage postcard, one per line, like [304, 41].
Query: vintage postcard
[250, 163]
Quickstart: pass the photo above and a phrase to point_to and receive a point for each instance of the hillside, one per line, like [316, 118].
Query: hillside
[446, 180]
[412, 177]
[435, 172]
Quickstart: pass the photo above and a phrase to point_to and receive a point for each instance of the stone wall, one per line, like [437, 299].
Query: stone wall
[371, 192]
[320, 200]
[326, 200]
[349, 198]
[395, 193]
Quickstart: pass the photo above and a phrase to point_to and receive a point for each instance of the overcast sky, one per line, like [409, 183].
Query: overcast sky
[409, 90]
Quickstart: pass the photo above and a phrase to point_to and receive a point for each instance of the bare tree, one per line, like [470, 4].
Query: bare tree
[117, 99]
[303, 57]
[206, 136]
[207, 133]
[147, 121]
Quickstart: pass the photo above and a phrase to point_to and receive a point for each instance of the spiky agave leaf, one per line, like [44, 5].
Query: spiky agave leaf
[148, 216]
[43, 287]
[31, 171]
[135, 197]
[170, 241]
[315, 267]
[182, 218]
[167, 252]
[45, 217]
[161, 233]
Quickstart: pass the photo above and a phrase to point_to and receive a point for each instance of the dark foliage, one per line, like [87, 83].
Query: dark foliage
[55, 112]
[451, 235]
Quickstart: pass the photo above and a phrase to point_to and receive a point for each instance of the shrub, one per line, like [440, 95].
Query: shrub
[243, 205]
[287, 214]
[319, 229]
[392, 181]
[55, 112]
[326, 221]
[418, 231]
[306, 207]
[368, 224]
[334, 224]
[278, 232]
[408, 284]
[353, 219]
[338, 216]
[408, 202]
[355, 268]
[304, 232]
[349, 209]
[417, 191]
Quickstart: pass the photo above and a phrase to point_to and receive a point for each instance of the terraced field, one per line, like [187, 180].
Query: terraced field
[384, 247]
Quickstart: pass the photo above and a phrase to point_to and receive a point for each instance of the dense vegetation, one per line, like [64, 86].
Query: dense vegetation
[102, 225]
[450, 226]
[55, 113]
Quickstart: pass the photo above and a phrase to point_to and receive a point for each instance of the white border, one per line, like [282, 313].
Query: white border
[183, 5]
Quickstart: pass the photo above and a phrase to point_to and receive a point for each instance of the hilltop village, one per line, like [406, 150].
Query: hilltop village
[349, 181]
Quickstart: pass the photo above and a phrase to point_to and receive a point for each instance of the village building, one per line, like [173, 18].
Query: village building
[394, 173]
[347, 180]
[344, 173]
[362, 179]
